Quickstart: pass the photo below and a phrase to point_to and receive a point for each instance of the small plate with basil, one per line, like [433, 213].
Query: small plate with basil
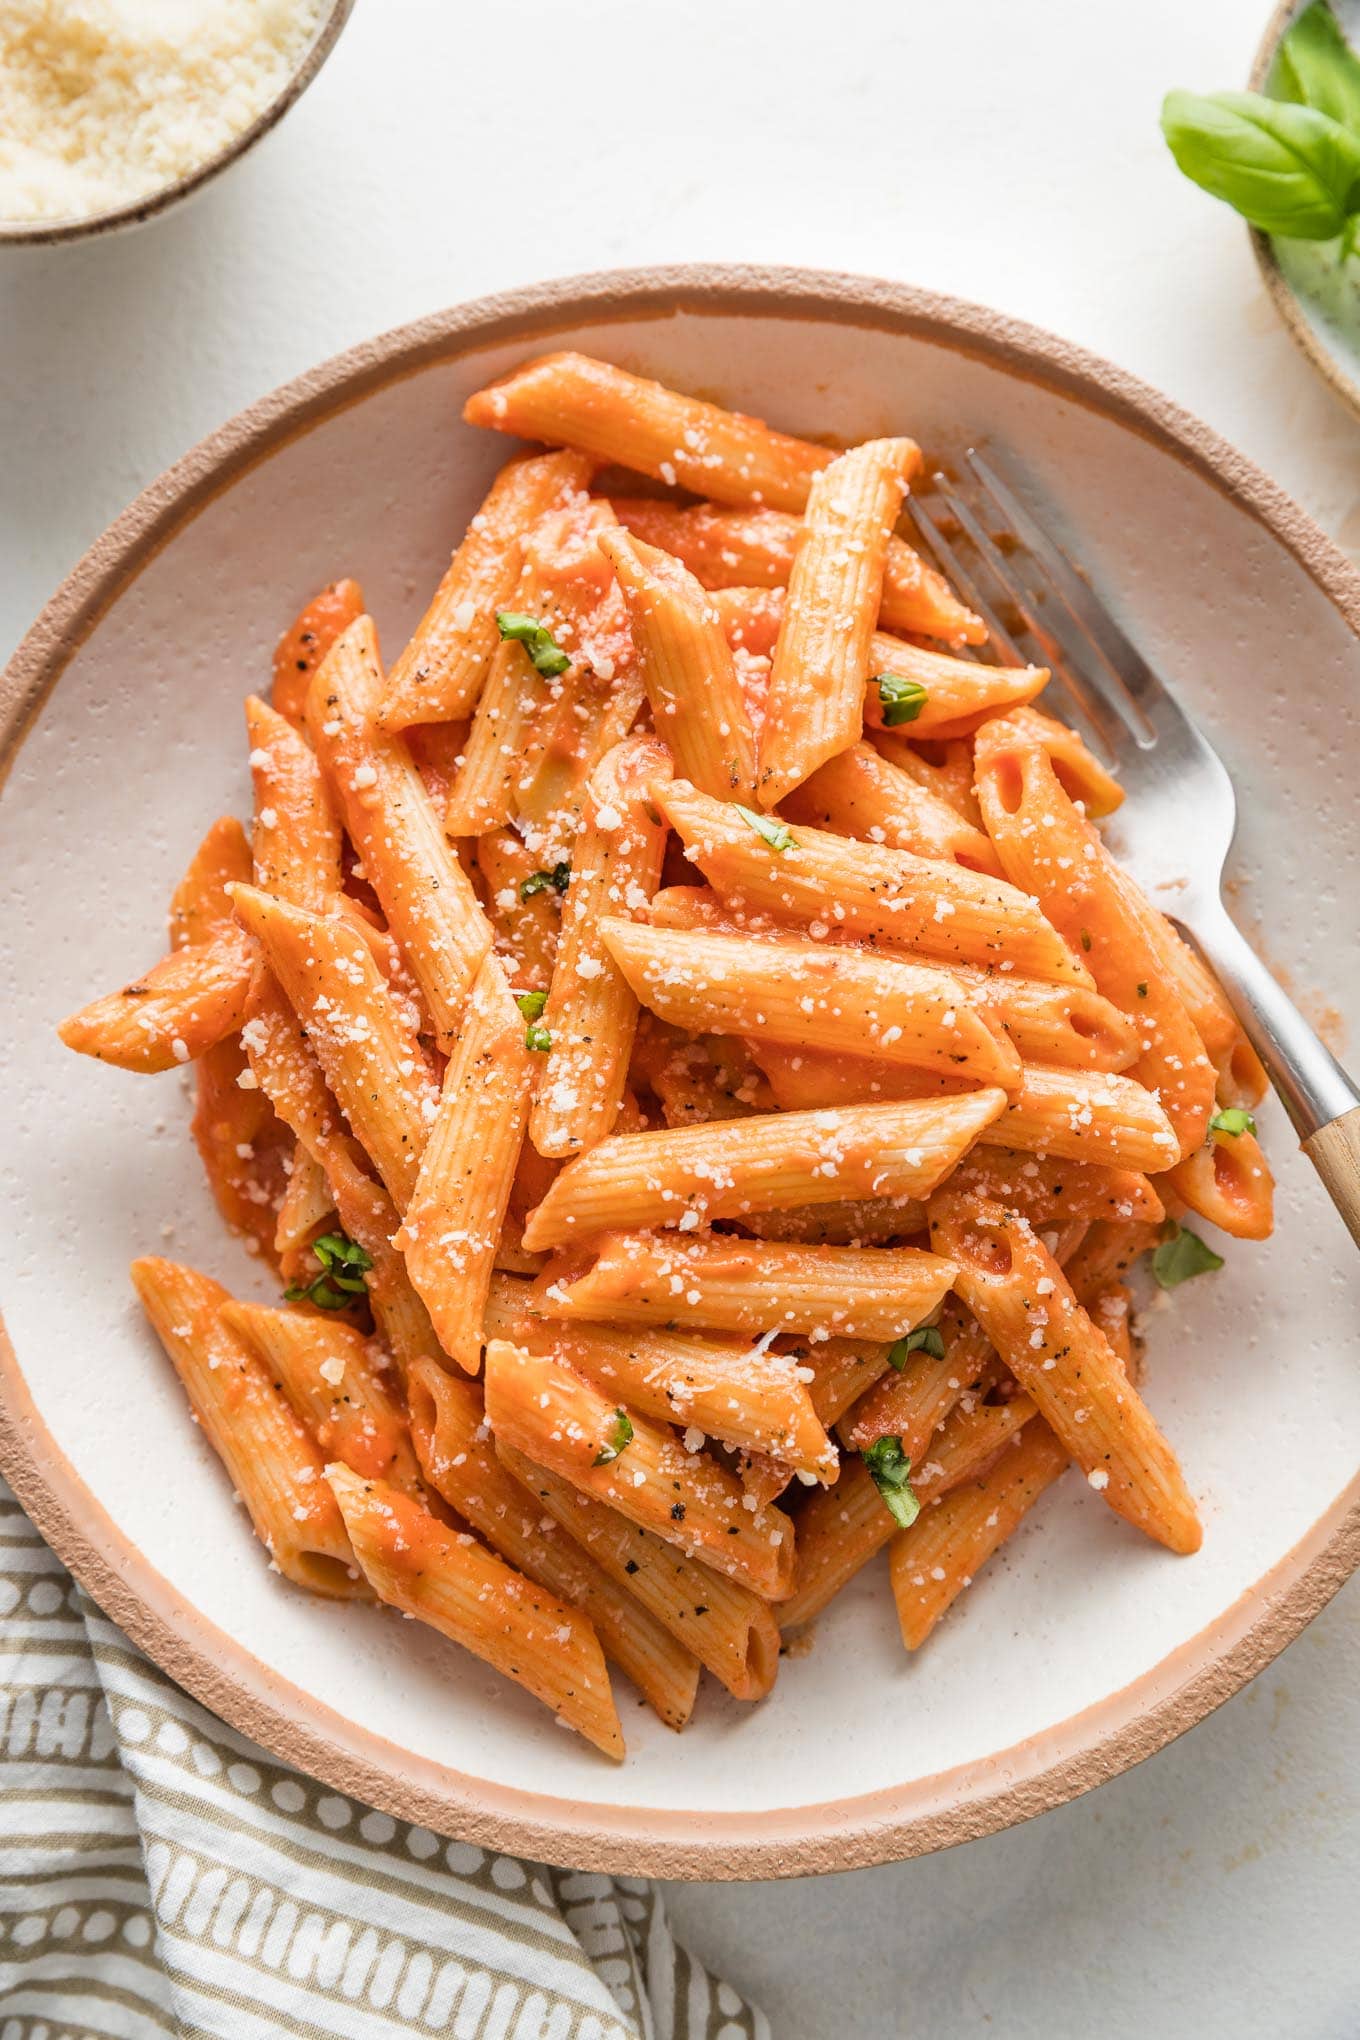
[1286, 155]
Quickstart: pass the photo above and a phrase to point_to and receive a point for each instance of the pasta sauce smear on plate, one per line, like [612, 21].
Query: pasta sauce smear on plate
[697, 1073]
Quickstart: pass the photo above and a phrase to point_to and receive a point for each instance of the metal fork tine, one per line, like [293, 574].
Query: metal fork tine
[1085, 704]
[965, 584]
[1121, 666]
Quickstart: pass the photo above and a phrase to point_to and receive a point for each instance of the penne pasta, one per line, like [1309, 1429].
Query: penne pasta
[1050, 849]
[272, 1463]
[524, 905]
[332, 1376]
[1085, 1115]
[729, 1629]
[862, 794]
[440, 673]
[1023, 1301]
[726, 548]
[445, 1578]
[932, 697]
[307, 1206]
[542, 1407]
[818, 996]
[748, 1286]
[939, 910]
[457, 1208]
[691, 680]
[816, 700]
[460, 1463]
[591, 1012]
[306, 642]
[243, 1146]
[173, 1013]
[692, 1175]
[367, 1050]
[200, 906]
[297, 837]
[425, 893]
[946, 1547]
[1048, 1190]
[911, 1400]
[1228, 1181]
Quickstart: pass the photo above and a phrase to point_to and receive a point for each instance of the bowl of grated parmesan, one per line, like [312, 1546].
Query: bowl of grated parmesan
[113, 110]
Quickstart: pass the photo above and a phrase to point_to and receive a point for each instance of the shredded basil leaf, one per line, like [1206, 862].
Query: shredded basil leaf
[343, 1265]
[767, 827]
[545, 654]
[901, 700]
[890, 1467]
[620, 1436]
[537, 1038]
[557, 880]
[1234, 1119]
[1181, 1255]
[925, 1339]
[531, 1004]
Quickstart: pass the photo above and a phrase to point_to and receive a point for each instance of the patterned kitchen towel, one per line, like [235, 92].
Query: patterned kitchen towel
[159, 1874]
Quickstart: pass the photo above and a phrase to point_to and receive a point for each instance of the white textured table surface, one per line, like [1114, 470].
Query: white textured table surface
[1004, 152]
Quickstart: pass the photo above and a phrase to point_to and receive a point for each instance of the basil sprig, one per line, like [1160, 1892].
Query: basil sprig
[1180, 1255]
[344, 1265]
[1288, 162]
[891, 1470]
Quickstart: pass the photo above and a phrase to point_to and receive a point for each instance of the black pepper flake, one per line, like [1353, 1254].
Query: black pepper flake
[677, 1512]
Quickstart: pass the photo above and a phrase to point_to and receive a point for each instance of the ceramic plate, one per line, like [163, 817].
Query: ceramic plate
[1083, 1648]
[1317, 296]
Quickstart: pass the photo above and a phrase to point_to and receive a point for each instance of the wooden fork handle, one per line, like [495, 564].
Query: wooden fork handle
[1334, 1151]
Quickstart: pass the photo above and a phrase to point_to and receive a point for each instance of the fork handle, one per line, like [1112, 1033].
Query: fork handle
[1321, 1100]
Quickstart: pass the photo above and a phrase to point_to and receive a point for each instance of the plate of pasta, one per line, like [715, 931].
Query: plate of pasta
[632, 1170]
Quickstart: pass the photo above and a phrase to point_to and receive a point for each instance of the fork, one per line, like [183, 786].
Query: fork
[1176, 827]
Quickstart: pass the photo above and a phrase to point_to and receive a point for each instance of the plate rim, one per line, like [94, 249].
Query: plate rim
[960, 1804]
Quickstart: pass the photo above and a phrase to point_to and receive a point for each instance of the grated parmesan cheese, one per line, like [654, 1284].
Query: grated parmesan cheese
[104, 102]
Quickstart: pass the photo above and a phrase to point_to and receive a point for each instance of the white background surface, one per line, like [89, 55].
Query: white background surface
[1007, 152]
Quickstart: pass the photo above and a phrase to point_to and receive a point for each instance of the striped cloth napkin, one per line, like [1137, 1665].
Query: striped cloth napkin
[159, 1874]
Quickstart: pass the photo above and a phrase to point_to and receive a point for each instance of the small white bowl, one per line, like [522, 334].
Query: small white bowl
[45, 233]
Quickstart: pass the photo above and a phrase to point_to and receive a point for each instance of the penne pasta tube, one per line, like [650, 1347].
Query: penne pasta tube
[243, 1146]
[1228, 1181]
[813, 996]
[459, 1461]
[483, 792]
[297, 834]
[306, 642]
[173, 1013]
[805, 1080]
[591, 1011]
[843, 1527]
[731, 1631]
[272, 1463]
[542, 1407]
[753, 1400]
[440, 673]
[726, 548]
[865, 889]
[1107, 1251]
[1086, 1115]
[912, 1400]
[1080, 773]
[687, 669]
[436, 749]
[453, 1221]
[690, 1176]
[368, 1053]
[306, 1207]
[861, 794]
[931, 697]
[524, 906]
[946, 1547]
[840, 1224]
[816, 699]
[200, 907]
[944, 768]
[333, 1378]
[748, 1286]
[1023, 1301]
[1050, 849]
[446, 1579]
[627, 421]
[425, 893]
[1048, 1190]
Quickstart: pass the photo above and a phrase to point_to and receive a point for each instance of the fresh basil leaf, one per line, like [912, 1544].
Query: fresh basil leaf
[620, 1435]
[537, 1038]
[925, 1339]
[1234, 1119]
[338, 1248]
[768, 827]
[901, 700]
[557, 880]
[1181, 1255]
[531, 1004]
[890, 1467]
[343, 1262]
[1287, 169]
[546, 655]
[1317, 67]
